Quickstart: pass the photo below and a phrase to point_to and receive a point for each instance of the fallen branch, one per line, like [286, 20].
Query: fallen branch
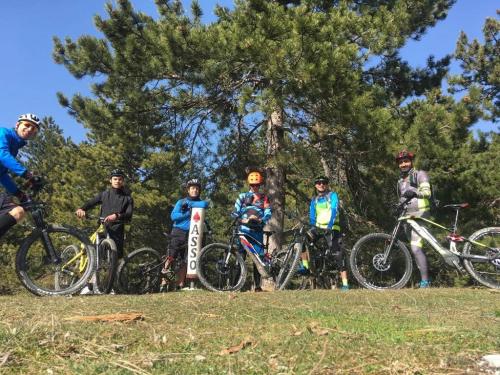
[120, 317]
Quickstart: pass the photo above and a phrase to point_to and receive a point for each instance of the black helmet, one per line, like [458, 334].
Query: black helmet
[193, 182]
[321, 179]
[117, 173]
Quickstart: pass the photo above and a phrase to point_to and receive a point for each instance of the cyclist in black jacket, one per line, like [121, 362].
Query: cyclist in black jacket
[116, 207]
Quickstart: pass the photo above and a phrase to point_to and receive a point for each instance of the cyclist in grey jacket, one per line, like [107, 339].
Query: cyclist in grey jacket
[415, 184]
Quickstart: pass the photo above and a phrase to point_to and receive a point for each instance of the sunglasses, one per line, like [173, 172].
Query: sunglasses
[29, 125]
[321, 183]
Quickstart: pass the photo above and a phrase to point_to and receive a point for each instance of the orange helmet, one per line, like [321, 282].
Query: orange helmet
[255, 178]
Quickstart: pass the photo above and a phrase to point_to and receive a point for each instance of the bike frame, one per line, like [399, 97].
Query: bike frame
[316, 254]
[95, 239]
[250, 249]
[451, 256]
[37, 213]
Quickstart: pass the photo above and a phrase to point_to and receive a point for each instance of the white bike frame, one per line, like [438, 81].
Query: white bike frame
[450, 255]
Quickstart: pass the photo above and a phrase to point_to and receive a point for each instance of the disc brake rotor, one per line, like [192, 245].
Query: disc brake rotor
[380, 264]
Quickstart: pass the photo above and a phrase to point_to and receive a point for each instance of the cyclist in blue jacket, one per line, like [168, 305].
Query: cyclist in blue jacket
[181, 217]
[11, 140]
[324, 217]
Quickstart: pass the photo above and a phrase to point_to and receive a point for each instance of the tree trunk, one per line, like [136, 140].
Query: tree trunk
[275, 181]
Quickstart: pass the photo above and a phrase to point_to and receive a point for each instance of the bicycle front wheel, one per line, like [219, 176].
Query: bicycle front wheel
[288, 265]
[67, 273]
[371, 270]
[220, 268]
[106, 259]
[139, 273]
[485, 269]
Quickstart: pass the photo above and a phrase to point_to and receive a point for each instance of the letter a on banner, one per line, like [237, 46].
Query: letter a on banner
[195, 240]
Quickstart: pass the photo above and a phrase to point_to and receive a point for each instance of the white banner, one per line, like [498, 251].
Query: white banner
[195, 240]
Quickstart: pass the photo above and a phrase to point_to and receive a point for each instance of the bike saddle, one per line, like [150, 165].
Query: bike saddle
[457, 206]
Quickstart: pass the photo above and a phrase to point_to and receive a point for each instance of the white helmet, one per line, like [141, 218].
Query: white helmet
[30, 117]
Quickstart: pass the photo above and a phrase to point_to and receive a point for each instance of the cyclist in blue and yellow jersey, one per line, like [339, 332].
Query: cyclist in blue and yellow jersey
[181, 217]
[254, 211]
[324, 216]
[11, 140]
[415, 185]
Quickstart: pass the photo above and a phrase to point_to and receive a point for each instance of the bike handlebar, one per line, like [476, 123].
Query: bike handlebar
[31, 188]
[100, 219]
[402, 206]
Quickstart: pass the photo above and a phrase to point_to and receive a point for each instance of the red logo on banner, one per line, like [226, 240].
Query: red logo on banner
[196, 216]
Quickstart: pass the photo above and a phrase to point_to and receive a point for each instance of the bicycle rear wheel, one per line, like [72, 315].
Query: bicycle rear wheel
[288, 265]
[220, 268]
[486, 270]
[43, 277]
[107, 257]
[139, 273]
[368, 266]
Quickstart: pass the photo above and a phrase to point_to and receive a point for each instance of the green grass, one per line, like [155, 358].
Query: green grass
[319, 332]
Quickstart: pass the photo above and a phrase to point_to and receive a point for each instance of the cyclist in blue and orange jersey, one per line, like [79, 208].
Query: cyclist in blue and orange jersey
[181, 217]
[11, 140]
[324, 216]
[415, 184]
[254, 211]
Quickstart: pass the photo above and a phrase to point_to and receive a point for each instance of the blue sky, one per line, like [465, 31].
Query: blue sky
[29, 79]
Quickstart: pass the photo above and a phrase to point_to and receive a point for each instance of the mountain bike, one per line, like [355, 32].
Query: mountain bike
[382, 261]
[221, 267]
[140, 271]
[106, 258]
[323, 272]
[43, 264]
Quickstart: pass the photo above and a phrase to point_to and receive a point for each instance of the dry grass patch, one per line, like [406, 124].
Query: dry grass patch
[321, 332]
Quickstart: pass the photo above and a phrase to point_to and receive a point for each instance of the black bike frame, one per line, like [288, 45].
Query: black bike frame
[36, 210]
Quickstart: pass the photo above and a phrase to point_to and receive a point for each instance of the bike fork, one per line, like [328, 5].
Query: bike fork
[49, 248]
[388, 248]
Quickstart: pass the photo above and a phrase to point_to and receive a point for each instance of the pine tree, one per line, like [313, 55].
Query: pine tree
[481, 69]
[299, 87]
